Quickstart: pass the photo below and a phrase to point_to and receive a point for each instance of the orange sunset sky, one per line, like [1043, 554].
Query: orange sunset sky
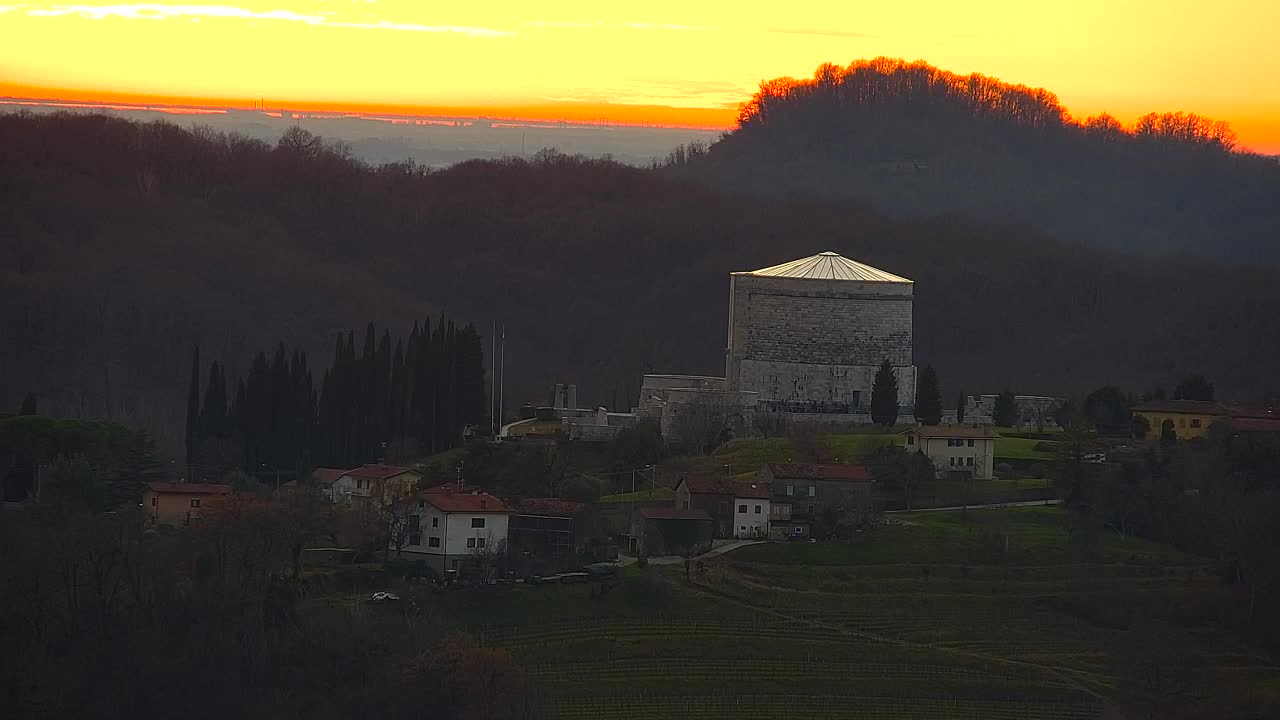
[658, 61]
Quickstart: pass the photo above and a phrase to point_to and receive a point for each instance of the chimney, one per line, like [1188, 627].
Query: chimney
[571, 401]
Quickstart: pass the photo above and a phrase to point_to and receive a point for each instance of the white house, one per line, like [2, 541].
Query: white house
[385, 483]
[751, 510]
[955, 449]
[448, 529]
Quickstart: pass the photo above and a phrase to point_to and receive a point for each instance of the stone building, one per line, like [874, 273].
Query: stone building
[810, 334]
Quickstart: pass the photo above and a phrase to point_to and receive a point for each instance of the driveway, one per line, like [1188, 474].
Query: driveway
[677, 560]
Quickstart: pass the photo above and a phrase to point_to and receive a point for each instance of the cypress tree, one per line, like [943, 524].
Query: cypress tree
[213, 415]
[961, 406]
[193, 407]
[1005, 412]
[884, 396]
[928, 408]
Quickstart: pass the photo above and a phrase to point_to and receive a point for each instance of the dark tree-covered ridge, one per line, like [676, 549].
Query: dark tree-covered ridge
[916, 140]
[130, 243]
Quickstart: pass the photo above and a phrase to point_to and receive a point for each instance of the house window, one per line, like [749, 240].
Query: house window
[421, 504]
[359, 484]
[686, 504]
[724, 508]
[911, 439]
[810, 511]
[413, 527]
[471, 542]
[951, 461]
[479, 542]
[153, 501]
[477, 522]
[791, 490]
[435, 522]
[813, 491]
[433, 542]
[968, 461]
[742, 528]
[742, 508]
[455, 564]
[1195, 422]
[757, 509]
[971, 443]
[195, 502]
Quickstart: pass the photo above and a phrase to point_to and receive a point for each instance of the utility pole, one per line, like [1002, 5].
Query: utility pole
[493, 379]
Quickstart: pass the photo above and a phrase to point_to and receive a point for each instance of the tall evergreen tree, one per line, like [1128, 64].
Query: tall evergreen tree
[962, 403]
[884, 396]
[213, 413]
[1005, 412]
[928, 408]
[193, 408]
[1194, 387]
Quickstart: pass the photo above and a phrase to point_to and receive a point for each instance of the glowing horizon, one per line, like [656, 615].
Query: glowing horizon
[663, 63]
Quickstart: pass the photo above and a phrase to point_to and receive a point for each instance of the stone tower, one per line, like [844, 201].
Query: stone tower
[809, 335]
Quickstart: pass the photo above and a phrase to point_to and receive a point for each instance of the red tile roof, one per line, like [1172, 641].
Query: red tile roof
[327, 476]
[481, 502]
[758, 491]
[815, 471]
[954, 431]
[449, 487]
[555, 507]
[1190, 407]
[673, 514]
[189, 488]
[378, 472]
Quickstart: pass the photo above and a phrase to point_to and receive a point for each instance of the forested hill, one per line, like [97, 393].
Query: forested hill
[125, 244]
[916, 141]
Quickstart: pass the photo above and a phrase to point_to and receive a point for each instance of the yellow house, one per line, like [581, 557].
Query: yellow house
[1187, 418]
[181, 504]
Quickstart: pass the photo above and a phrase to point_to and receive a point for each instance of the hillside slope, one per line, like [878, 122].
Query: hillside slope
[124, 244]
[916, 141]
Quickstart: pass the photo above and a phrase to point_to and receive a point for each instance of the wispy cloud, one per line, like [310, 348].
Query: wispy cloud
[828, 33]
[151, 11]
[585, 24]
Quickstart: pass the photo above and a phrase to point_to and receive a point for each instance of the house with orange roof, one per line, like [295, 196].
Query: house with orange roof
[181, 504]
[449, 531]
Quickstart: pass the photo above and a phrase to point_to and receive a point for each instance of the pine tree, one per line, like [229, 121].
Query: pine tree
[961, 405]
[193, 408]
[213, 414]
[1005, 412]
[884, 396]
[928, 398]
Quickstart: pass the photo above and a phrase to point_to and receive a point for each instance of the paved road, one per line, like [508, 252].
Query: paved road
[1029, 503]
[677, 560]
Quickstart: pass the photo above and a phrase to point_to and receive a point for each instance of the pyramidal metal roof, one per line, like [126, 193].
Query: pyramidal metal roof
[828, 266]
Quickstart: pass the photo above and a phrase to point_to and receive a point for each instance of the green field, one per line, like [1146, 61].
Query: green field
[987, 614]
[1021, 449]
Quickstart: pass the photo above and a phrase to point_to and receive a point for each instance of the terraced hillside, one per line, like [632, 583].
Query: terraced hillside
[986, 614]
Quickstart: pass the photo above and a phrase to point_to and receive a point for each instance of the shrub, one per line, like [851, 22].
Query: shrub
[1004, 471]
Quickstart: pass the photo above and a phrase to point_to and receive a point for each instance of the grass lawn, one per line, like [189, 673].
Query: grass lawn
[1020, 449]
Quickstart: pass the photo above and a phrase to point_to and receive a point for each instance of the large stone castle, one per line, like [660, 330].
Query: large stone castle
[805, 341]
[809, 335]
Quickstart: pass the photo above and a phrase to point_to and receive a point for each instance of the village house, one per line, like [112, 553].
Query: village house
[714, 496]
[448, 530]
[962, 451]
[804, 492]
[670, 531]
[181, 504]
[1190, 419]
[751, 511]
[375, 483]
[544, 528]
[324, 478]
